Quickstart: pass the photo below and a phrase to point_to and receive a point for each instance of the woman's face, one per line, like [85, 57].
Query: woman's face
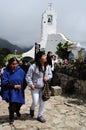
[43, 59]
[13, 65]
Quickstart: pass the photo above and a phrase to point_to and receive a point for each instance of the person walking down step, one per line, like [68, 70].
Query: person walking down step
[13, 84]
[35, 80]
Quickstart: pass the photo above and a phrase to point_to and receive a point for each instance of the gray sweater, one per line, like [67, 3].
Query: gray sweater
[35, 77]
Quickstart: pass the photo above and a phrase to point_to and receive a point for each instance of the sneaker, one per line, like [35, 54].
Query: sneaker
[41, 119]
[31, 113]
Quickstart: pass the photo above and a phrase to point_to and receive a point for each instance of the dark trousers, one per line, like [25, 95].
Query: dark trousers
[13, 107]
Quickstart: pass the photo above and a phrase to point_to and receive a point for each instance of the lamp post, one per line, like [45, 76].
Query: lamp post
[15, 52]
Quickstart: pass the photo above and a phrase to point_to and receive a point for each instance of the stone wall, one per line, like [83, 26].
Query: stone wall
[71, 77]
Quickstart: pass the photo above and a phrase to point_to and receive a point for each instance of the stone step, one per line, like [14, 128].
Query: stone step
[56, 90]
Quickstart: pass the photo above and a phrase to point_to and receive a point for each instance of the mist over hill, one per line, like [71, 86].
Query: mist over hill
[6, 44]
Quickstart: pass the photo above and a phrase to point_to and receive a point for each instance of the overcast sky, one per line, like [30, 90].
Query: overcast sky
[20, 20]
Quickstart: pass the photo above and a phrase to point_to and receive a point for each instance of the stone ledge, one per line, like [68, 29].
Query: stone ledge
[56, 90]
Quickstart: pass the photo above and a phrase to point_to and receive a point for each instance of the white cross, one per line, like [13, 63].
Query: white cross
[50, 5]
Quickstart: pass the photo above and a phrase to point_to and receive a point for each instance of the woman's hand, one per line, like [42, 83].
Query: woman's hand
[45, 78]
[17, 86]
[33, 87]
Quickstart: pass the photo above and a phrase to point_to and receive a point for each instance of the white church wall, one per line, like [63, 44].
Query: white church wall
[49, 36]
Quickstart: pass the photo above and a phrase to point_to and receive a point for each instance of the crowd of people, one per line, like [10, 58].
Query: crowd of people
[17, 76]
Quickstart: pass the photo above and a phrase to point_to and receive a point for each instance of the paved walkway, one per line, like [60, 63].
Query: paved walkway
[61, 113]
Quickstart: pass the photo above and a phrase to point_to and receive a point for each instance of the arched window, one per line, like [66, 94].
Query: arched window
[50, 19]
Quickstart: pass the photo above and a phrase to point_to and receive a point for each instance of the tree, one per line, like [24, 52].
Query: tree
[62, 50]
[3, 53]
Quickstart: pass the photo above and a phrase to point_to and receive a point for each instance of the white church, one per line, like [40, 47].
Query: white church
[49, 36]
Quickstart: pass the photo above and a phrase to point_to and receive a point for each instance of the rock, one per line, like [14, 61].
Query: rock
[56, 90]
[6, 128]
[61, 113]
[77, 71]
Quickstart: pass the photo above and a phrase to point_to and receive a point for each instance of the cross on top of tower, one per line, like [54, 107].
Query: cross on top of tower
[50, 5]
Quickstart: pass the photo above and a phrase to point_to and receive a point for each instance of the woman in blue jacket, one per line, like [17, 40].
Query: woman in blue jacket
[13, 83]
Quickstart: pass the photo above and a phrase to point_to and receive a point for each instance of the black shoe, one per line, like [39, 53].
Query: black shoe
[41, 119]
[31, 113]
[18, 114]
[11, 119]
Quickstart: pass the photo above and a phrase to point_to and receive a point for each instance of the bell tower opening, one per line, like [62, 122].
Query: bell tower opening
[50, 19]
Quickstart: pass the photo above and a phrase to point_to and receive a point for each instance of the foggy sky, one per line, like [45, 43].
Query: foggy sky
[20, 20]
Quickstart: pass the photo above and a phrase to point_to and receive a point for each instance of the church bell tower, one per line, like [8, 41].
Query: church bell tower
[49, 22]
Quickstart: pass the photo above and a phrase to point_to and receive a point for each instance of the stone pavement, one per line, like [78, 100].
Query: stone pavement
[61, 113]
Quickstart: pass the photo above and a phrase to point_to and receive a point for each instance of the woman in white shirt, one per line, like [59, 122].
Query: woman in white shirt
[35, 80]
